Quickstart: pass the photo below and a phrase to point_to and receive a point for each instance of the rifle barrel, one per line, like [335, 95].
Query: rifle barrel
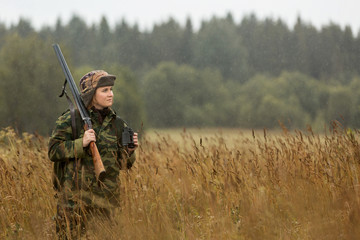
[74, 90]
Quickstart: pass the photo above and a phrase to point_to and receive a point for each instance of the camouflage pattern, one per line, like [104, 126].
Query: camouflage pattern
[80, 191]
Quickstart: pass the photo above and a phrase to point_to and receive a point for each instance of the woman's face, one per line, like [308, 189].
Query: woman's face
[103, 97]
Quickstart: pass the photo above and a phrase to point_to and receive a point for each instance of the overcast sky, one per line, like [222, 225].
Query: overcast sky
[147, 12]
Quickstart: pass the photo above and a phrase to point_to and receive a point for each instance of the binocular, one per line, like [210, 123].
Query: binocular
[128, 137]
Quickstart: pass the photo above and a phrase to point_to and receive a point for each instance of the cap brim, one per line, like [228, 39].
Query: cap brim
[109, 76]
[107, 80]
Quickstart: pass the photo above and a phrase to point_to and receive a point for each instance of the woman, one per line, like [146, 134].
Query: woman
[80, 194]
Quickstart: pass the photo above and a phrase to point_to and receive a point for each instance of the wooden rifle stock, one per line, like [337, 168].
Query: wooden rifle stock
[98, 164]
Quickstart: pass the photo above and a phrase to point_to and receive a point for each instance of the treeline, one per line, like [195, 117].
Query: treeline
[249, 74]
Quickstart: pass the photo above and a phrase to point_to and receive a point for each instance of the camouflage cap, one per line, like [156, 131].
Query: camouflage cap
[93, 80]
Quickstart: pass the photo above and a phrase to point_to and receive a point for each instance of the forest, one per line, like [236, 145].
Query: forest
[255, 73]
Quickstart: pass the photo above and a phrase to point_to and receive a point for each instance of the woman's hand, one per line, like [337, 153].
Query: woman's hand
[136, 143]
[89, 136]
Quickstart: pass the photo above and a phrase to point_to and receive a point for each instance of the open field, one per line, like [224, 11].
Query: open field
[231, 137]
[202, 184]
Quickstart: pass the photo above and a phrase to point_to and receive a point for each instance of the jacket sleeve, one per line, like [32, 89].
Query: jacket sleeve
[61, 145]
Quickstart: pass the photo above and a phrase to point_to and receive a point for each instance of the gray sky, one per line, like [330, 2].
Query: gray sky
[147, 12]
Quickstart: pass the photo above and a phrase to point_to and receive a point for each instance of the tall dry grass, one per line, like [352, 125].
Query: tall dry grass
[293, 185]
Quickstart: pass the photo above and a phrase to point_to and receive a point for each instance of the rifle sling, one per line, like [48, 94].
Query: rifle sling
[73, 127]
[72, 110]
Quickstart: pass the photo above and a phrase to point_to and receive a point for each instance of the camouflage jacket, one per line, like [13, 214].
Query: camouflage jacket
[79, 177]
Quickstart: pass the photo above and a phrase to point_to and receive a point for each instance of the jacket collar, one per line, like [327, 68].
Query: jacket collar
[95, 115]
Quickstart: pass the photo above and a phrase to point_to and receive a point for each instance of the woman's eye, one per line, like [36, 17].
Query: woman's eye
[106, 90]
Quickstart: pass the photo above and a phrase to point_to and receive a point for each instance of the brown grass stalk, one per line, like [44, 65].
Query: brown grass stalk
[202, 185]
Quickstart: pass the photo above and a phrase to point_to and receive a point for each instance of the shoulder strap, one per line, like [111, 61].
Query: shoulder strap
[73, 120]
[72, 112]
[58, 167]
[76, 122]
[75, 127]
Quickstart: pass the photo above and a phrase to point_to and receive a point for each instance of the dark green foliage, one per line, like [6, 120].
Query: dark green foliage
[179, 95]
[29, 84]
[218, 46]
[249, 74]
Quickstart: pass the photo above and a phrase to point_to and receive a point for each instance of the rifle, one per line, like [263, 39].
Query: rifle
[98, 164]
